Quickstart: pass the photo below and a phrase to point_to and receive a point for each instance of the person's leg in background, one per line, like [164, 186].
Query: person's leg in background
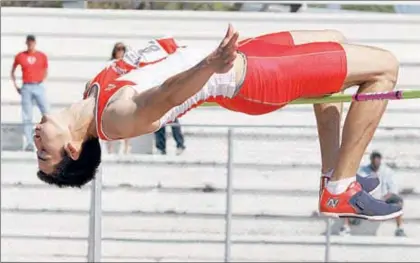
[160, 140]
[345, 229]
[26, 103]
[127, 147]
[110, 147]
[399, 232]
[397, 200]
[40, 97]
[178, 137]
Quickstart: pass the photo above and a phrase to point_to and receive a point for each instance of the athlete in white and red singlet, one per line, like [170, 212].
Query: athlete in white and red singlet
[122, 73]
[152, 86]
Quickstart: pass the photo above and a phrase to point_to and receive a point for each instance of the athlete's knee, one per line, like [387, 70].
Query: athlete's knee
[390, 67]
[336, 35]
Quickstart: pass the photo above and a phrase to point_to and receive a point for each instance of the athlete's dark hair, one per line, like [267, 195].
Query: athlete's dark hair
[76, 173]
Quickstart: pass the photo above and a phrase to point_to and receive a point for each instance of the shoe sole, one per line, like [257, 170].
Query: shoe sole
[372, 218]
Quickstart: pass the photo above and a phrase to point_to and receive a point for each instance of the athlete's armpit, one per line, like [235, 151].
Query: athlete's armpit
[123, 119]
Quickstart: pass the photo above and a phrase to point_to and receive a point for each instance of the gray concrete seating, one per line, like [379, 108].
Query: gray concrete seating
[181, 189]
[170, 208]
[148, 207]
[79, 44]
[145, 250]
[398, 125]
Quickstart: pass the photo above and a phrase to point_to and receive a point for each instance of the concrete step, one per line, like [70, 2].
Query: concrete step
[136, 23]
[293, 181]
[65, 68]
[57, 91]
[165, 226]
[214, 116]
[100, 48]
[282, 118]
[263, 252]
[88, 69]
[269, 140]
[129, 200]
[275, 154]
[12, 138]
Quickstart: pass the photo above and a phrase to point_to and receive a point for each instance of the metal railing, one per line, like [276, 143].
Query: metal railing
[95, 220]
[94, 251]
[95, 213]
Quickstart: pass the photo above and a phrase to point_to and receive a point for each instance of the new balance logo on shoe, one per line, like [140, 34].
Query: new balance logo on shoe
[332, 202]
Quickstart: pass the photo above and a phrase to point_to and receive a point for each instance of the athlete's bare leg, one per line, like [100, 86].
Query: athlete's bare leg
[374, 70]
[328, 115]
[379, 74]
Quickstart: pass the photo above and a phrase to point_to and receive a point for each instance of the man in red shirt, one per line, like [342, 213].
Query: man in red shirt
[34, 65]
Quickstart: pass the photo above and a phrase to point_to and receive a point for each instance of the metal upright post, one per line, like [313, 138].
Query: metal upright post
[95, 219]
[229, 192]
[328, 241]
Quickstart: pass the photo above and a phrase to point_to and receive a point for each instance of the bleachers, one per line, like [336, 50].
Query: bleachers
[162, 209]
[79, 42]
[151, 201]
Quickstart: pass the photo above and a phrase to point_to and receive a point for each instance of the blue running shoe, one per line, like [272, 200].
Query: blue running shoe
[357, 203]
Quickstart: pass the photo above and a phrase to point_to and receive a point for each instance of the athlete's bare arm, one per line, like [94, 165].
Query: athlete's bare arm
[175, 90]
[151, 105]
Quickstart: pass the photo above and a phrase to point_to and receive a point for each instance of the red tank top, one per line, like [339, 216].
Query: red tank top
[107, 83]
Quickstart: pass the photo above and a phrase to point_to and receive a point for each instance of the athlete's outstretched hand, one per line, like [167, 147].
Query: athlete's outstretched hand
[222, 59]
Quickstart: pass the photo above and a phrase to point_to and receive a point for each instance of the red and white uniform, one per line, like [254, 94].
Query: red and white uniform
[277, 72]
[150, 67]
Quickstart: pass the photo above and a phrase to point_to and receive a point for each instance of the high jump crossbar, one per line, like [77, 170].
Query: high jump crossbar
[339, 97]
[392, 95]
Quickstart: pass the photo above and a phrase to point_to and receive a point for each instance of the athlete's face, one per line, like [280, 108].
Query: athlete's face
[50, 138]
